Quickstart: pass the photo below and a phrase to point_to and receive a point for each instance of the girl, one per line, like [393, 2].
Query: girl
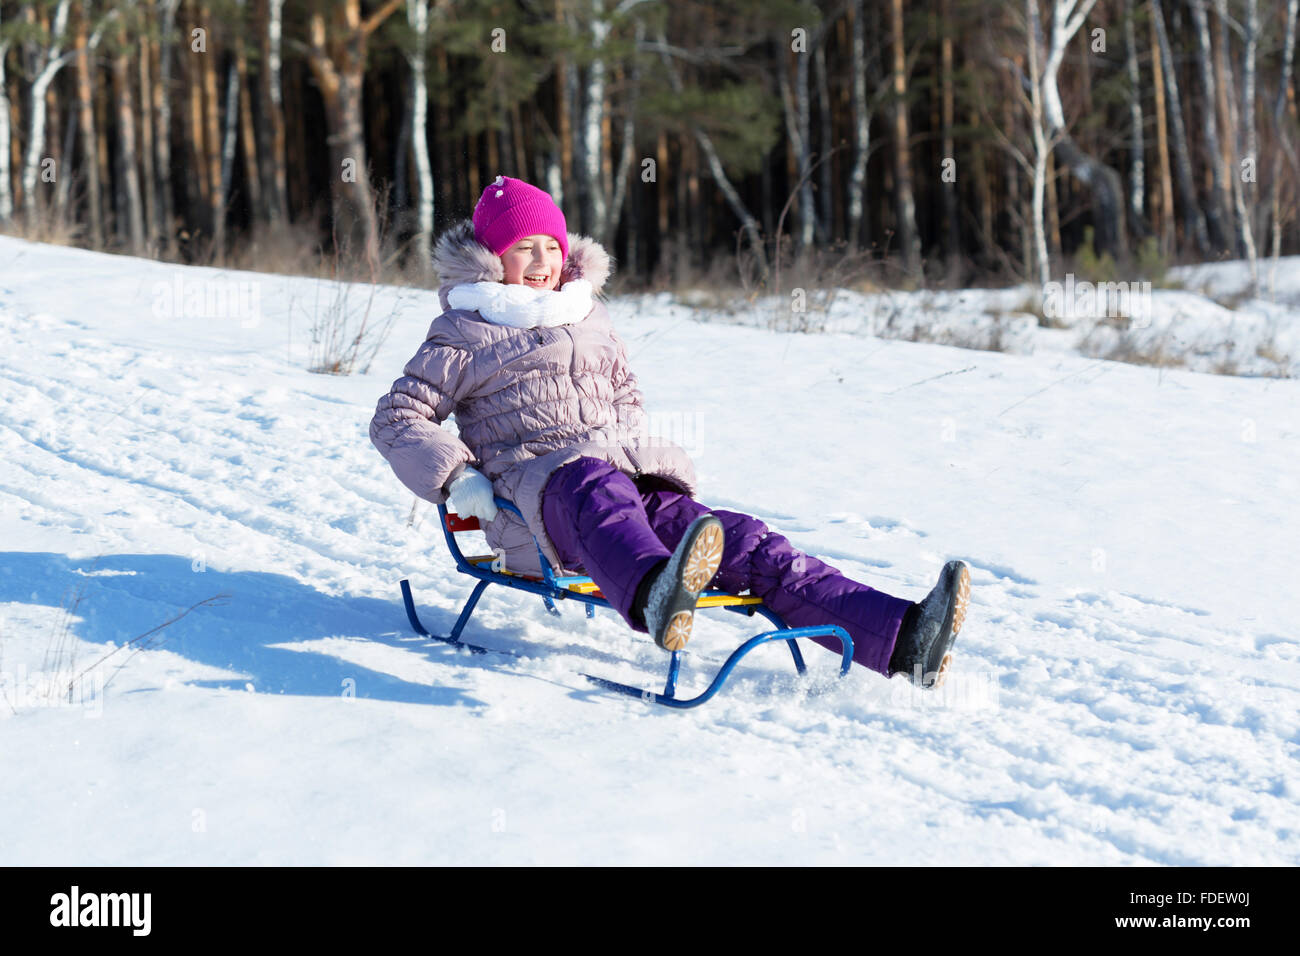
[550, 418]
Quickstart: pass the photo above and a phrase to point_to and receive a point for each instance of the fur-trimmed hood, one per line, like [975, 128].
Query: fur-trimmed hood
[529, 395]
[460, 258]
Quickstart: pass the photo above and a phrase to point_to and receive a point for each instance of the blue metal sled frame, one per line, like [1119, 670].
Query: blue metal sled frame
[554, 588]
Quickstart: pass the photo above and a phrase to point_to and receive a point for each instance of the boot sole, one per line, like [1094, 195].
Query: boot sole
[957, 616]
[679, 631]
[704, 559]
[698, 566]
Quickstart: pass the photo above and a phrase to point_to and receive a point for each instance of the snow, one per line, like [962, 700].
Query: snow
[1127, 688]
[1203, 317]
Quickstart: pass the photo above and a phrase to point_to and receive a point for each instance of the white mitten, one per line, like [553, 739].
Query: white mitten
[471, 494]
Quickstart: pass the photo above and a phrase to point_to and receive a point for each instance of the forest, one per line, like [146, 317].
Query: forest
[927, 144]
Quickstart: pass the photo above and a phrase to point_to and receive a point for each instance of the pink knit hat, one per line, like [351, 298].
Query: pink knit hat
[511, 209]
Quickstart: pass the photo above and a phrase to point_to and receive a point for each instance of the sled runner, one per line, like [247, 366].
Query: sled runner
[552, 588]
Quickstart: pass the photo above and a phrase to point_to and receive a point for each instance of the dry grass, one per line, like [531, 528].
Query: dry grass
[145, 641]
[345, 332]
[1105, 341]
[736, 274]
[1033, 305]
[1231, 301]
[987, 338]
[1269, 352]
[47, 227]
[61, 652]
[346, 335]
[291, 249]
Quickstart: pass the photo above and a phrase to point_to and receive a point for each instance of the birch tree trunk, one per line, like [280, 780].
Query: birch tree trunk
[858, 232]
[593, 116]
[1230, 141]
[48, 63]
[948, 188]
[1284, 142]
[162, 105]
[1042, 271]
[1102, 181]
[271, 125]
[1248, 80]
[44, 66]
[65, 181]
[1053, 209]
[1243, 194]
[1137, 162]
[248, 137]
[128, 172]
[417, 14]
[909, 240]
[229, 139]
[1210, 128]
[627, 154]
[6, 140]
[803, 111]
[1192, 210]
[825, 215]
[148, 182]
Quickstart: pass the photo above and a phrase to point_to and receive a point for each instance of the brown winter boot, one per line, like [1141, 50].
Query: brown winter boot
[668, 608]
[923, 650]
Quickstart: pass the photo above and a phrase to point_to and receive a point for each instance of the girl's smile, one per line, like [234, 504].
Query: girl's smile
[534, 261]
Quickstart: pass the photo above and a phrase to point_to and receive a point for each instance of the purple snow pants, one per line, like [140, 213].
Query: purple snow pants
[601, 523]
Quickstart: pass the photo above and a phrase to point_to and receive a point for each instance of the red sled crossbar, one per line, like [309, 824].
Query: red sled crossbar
[487, 570]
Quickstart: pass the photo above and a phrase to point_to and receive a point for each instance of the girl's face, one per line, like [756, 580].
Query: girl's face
[534, 261]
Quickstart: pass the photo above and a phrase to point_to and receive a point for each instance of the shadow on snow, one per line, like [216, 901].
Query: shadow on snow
[124, 595]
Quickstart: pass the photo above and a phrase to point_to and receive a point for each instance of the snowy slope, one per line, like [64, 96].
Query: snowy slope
[1206, 320]
[1129, 678]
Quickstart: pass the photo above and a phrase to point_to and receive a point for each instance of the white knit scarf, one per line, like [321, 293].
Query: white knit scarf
[522, 306]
